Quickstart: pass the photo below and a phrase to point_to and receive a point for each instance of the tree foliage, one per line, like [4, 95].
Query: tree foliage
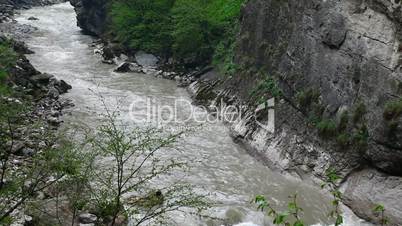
[185, 29]
[8, 58]
[132, 165]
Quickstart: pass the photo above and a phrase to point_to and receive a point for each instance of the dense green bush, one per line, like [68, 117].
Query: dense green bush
[193, 35]
[343, 121]
[8, 58]
[267, 87]
[360, 138]
[224, 54]
[393, 110]
[343, 140]
[327, 128]
[143, 24]
[307, 97]
[185, 29]
[359, 112]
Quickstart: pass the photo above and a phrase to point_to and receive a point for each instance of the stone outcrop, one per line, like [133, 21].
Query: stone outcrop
[91, 15]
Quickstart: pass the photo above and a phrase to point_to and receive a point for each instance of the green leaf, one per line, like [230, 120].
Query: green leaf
[292, 206]
[298, 223]
[259, 198]
[379, 208]
[339, 220]
[280, 218]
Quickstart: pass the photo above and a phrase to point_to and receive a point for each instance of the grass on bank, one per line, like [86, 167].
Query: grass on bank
[8, 58]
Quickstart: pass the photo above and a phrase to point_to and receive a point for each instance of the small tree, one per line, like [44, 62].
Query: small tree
[380, 209]
[331, 181]
[281, 218]
[128, 165]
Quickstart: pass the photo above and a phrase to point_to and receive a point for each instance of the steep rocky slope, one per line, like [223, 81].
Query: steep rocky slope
[349, 52]
[337, 65]
[337, 56]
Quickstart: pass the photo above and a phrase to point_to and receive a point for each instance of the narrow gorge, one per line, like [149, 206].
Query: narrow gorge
[316, 87]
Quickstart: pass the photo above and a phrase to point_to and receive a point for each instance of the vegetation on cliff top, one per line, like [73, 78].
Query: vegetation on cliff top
[188, 30]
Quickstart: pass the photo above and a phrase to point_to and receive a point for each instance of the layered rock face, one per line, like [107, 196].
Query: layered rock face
[91, 15]
[350, 52]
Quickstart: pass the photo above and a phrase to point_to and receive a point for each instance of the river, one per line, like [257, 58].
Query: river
[218, 165]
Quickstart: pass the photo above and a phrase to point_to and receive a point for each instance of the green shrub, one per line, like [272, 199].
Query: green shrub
[8, 59]
[359, 112]
[307, 97]
[267, 86]
[4, 89]
[186, 29]
[393, 110]
[193, 34]
[360, 138]
[343, 121]
[7, 56]
[327, 128]
[224, 54]
[143, 24]
[343, 140]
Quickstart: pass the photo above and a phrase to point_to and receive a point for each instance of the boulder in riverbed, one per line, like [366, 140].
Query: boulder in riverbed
[60, 85]
[87, 218]
[146, 59]
[128, 67]
[42, 78]
[53, 93]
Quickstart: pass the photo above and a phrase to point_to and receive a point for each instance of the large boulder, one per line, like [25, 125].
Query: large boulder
[42, 78]
[91, 15]
[128, 67]
[145, 59]
[87, 218]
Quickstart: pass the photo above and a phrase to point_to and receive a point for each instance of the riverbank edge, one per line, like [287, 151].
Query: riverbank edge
[296, 151]
[39, 92]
